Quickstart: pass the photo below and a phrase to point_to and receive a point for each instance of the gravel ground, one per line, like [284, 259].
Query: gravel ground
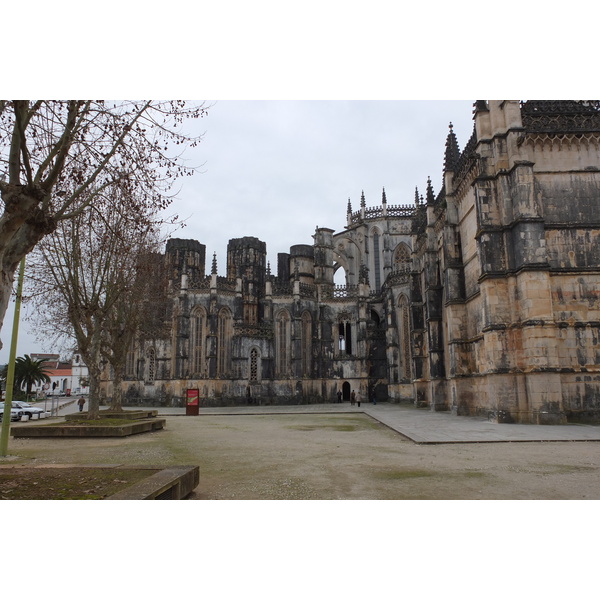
[323, 456]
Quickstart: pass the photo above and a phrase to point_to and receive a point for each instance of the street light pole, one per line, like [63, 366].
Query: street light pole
[10, 377]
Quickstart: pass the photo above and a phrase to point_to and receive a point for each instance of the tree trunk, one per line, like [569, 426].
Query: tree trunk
[117, 397]
[90, 350]
[94, 393]
[22, 226]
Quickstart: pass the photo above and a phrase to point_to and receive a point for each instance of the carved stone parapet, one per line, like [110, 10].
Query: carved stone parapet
[255, 331]
[553, 116]
[308, 290]
[400, 277]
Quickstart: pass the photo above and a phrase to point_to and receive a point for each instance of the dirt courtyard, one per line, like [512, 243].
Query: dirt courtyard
[333, 457]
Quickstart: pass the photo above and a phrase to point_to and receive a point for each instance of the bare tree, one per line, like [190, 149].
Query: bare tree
[58, 157]
[138, 310]
[85, 272]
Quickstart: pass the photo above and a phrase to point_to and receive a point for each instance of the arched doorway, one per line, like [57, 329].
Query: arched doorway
[345, 391]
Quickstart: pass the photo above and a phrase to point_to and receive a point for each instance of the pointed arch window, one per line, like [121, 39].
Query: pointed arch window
[151, 355]
[198, 335]
[306, 344]
[376, 260]
[224, 335]
[282, 343]
[130, 360]
[404, 321]
[345, 338]
[254, 364]
[402, 259]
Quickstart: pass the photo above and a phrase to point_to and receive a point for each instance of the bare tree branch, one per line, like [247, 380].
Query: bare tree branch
[59, 157]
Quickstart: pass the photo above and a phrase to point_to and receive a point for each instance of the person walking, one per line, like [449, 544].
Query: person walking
[339, 396]
[358, 399]
[80, 403]
[353, 397]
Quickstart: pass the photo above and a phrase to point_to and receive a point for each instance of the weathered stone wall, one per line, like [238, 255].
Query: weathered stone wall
[316, 367]
[522, 344]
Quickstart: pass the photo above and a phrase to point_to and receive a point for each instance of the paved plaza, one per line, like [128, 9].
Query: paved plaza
[337, 451]
[422, 426]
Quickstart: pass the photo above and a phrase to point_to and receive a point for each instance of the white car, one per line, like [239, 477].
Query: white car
[15, 413]
[29, 409]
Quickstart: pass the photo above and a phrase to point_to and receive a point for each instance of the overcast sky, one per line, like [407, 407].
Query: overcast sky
[275, 170]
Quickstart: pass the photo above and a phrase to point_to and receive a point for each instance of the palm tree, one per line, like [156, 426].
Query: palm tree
[28, 372]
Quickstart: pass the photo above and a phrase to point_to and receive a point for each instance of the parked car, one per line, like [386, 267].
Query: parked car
[28, 409]
[15, 413]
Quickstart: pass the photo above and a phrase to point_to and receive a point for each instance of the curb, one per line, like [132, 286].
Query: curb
[169, 483]
[172, 483]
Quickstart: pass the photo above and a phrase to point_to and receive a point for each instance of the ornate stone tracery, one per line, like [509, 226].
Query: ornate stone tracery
[254, 365]
[555, 116]
[402, 257]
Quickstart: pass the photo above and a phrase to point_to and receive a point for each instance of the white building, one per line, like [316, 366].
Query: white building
[67, 378]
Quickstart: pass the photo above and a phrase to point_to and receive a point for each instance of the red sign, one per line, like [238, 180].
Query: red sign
[193, 397]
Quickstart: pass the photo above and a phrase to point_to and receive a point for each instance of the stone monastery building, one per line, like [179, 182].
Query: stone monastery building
[480, 299]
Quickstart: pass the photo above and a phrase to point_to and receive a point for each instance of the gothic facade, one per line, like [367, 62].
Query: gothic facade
[482, 299]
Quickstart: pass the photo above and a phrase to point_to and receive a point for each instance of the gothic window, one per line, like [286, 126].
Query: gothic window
[342, 338]
[402, 258]
[254, 364]
[345, 338]
[198, 326]
[404, 335]
[375, 318]
[340, 277]
[306, 344]
[376, 260]
[224, 335]
[130, 360]
[151, 355]
[282, 343]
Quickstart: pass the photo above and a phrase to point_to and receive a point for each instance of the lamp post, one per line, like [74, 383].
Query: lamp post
[10, 377]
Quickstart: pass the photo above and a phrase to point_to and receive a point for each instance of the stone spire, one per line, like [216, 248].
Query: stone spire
[452, 151]
[213, 270]
[349, 209]
[417, 200]
[430, 194]
[383, 198]
[362, 200]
